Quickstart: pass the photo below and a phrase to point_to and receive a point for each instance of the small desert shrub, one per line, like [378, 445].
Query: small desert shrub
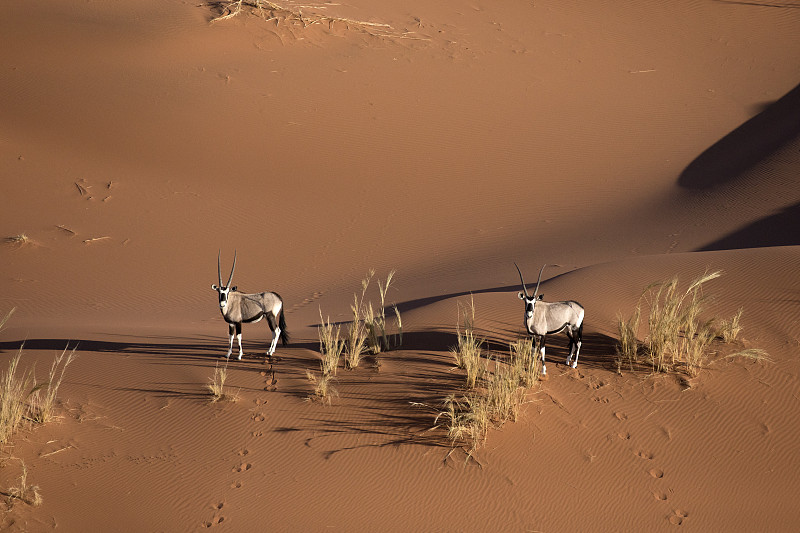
[43, 398]
[525, 362]
[330, 346]
[19, 240]
[216, 385]
[467, 353]
[23, 491]
[323, 390]
[678, 339]
[368, 330]
[504, 394]
[729, 329]
[466, 419]
[14, 394]
[356, 336]
[753, 354]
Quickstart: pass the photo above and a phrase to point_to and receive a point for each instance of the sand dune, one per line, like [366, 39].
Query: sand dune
[619, 144]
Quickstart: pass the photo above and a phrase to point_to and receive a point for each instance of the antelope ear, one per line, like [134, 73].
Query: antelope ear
[233, 288]
[213, 287]
[541, 297]
[521, 295]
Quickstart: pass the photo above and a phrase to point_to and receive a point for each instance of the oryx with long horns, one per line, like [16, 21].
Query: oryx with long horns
[238, 308]
[547, 318]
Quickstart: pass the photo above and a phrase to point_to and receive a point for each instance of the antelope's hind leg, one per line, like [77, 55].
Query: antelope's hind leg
[540, 342]
[276, 333]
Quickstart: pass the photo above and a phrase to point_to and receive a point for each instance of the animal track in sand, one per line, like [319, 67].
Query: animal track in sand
[619, 415]
[244, 467]
[645, 455]
[217, 518]
[660, 496]
[256, 433]
[656, 473]
[677, 516]
[599, 399]
[624, 435]
[257, 417]
[236, 485]
[244, 452]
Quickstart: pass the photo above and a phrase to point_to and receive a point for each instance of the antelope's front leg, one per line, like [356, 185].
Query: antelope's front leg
[541, 352]
[230, 336]
[239, 339]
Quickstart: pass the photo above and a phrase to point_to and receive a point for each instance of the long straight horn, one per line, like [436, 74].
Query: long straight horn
[536, 290]
[522, 281]
[232, 269]
[219, 269]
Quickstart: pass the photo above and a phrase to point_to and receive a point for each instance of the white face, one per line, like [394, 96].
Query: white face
[223, 294]
[530, 303]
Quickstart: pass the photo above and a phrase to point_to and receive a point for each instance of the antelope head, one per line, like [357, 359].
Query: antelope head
[223, 290]
[530, 301]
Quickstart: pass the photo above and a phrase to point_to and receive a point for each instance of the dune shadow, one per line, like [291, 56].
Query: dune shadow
[746, 146]
[775, 230]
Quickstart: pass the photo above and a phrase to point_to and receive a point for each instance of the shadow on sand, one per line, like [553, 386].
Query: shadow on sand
[746, 146]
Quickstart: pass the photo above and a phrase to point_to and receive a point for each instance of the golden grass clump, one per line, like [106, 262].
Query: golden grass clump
[729, 329]
[504, 393]
[19, 240]
[678, 339]
[466, 419]
[525, 362]
[330, 346]
[368, 330]
[467, 353]
[22, 491]
[271, 11]
[13, 398]
[216, 385]
[323, 389]
[43, 398]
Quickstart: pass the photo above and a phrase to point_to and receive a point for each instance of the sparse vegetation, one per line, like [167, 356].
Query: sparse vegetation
[467, 353]
[729, 329]
[22, 491]
[216, 385]
[13, 398]
[525, 362]
[271, 11]
[19, 240]
[368, 330]
[323, 390]
[678, 339]
[330, 346]
[43, 397]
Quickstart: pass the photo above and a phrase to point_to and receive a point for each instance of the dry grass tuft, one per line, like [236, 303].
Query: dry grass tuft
[13, 398]
[729, 329]
[43, 397]
[525, 362]
[23, 491]
[20, 240]
[466, 419]
[368, 330]
[323, 389]
[678, 340]
[753, 354]
[467, 353]
[330, 346]
[216, 385]
[271, 11]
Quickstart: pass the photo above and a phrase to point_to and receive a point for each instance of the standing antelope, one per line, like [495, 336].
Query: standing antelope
[238, 307]
[546, 318]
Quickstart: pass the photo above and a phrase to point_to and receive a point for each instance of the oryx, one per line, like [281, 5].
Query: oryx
[238, 307]
[546, 318]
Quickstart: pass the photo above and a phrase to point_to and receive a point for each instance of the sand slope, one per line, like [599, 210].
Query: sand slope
[619, 144]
